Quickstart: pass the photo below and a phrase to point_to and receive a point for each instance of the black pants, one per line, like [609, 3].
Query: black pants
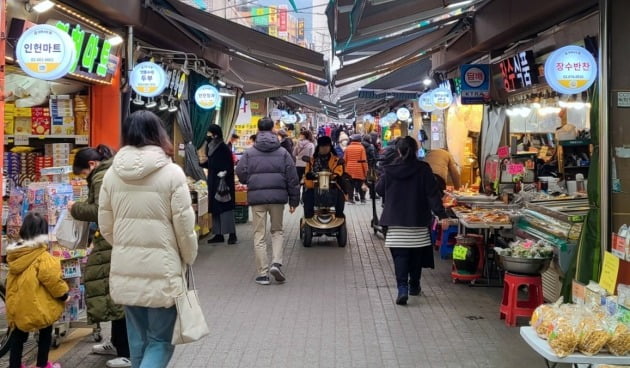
[408, 266]
[358, 184]
[19, 337]
[119, 338]
[300, 172]
[309, 202]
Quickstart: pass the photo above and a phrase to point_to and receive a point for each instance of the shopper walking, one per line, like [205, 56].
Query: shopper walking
[286, 142]
[93, 163]
[36, 291]
[356, 166]
[411, 194]
[220, 165]
[304, 147]
[272, 181]
[443, 164]
[146, 213]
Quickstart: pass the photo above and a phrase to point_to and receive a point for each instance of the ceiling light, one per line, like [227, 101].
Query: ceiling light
[427, 82]
[221, 83]
[172, 107]
[115, 40]
[39, 6]
[459, 4]
[163, 106]
[138, 100]
[151, 104]
[226, 92]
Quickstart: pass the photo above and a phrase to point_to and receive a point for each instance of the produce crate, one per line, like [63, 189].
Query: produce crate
[241, 214]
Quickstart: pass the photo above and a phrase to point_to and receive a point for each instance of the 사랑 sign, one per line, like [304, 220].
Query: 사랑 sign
[45, 52]
[207, 97]
[570, 70]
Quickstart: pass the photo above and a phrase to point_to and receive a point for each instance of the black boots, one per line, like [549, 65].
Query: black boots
[403, 295]
[216, 239]
[232, 239]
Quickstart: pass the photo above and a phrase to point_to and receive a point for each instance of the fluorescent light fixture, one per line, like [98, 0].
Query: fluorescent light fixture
[163, 106]
[226, 92]
[427, 82]
[138, 100]
[459, 4]
[221, 83]
[43, 6]
[114, 40]
[172, 107]
[152, 103]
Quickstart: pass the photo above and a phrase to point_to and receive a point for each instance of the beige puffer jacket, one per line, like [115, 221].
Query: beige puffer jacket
[145, 212]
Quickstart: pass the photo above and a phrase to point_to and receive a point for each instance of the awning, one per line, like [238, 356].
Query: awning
[254, 79]
[403, 84]
[312, 103]
[240, 41]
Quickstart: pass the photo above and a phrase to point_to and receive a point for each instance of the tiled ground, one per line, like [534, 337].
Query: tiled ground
[337, 310]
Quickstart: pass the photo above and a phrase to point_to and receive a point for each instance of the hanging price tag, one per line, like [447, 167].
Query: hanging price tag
[81, 140]
[516, 169]
[460, 253]
[21, 140]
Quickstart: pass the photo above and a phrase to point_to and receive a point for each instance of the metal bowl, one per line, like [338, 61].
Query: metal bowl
[525, 266]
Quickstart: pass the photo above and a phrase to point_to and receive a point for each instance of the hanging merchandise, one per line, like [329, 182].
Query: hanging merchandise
[570, 70]
[426, 102]
[442, 98]
[45, 52]
[207, 97]
[149, 79]
[403, 114]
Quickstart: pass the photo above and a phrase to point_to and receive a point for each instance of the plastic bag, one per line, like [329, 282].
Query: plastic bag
[542, 319]
[564, 338]
[593, 335]
[71, 233]
[619, 342]
[223, 191]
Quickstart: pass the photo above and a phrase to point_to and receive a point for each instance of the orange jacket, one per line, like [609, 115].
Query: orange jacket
[355, 153]
[333, 166]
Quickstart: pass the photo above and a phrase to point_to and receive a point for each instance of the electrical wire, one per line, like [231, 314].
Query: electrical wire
[277, 12]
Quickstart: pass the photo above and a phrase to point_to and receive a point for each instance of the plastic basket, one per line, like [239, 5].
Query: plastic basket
[241, 214]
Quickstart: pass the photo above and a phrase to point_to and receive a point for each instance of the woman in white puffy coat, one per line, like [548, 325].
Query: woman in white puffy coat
[145, 212]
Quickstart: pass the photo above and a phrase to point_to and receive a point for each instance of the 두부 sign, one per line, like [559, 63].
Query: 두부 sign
[148, 79]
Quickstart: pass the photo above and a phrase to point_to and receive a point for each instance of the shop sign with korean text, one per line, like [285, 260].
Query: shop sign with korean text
[283, 18]
[95, 57]
[519, 71]
[426, 102]
[442, 98]
[403, 114]
[45, 52]
[148, 79]
[570, 70]
[475, 83]
[207, 97]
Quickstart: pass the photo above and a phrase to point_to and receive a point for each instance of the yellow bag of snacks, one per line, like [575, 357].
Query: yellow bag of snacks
[619, 343]
[593, 334]
[563, 339]
[542, 319]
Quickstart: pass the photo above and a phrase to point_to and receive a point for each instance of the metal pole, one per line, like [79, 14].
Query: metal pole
[130, 61]
[604, 144]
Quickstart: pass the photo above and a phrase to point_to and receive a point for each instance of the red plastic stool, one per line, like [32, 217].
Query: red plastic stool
[511, 307]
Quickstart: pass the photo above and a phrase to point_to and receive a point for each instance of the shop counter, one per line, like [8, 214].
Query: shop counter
[543, 349]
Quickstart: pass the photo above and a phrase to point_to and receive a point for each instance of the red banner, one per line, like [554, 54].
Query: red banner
[283, 18]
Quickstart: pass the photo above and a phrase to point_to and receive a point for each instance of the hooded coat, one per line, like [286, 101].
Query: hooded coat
[411, 195]
[145, 212]
[100, 307]
[269, 172]
[220, 160]
[34, 286]
[304, 147]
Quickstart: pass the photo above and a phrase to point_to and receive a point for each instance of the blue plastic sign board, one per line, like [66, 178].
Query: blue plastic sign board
[475, 83]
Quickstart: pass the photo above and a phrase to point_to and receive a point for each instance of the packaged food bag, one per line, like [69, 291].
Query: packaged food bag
[593, 334]
[619, 342]
[542, 319]
[564, 338]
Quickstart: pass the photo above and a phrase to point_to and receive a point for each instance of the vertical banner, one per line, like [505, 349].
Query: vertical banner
[283, 18]
[300, 32]
[273, 16]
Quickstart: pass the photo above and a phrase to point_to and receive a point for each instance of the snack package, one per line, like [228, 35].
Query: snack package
[542, 319]
[619, 342]
[563, 339]
[593, 334]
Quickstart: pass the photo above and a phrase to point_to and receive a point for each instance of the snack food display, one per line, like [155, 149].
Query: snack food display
[563, 339]
[593, 335]
[619, 342]
[542, 320]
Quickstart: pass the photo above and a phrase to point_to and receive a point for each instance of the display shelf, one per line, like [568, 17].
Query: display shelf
[575, 143]
[25, 139]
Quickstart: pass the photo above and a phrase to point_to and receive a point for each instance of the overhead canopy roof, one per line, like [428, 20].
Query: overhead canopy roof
[245, 43]
[257, 81]
[391, 34]
[402, 84]
[352, 103]
[312, 103]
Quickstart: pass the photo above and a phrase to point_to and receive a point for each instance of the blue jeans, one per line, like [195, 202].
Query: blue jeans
[150, 331]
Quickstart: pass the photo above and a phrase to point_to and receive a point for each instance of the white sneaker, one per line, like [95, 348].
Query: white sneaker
[106, 348]
[119, 363]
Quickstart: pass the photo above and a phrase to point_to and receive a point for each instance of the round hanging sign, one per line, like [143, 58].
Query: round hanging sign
[45, 52]
[291, 119]
[570, 70]
[403, 114]
[442, 98]
[207, 97]
[148, 79]
[426, 102]
[276, 114]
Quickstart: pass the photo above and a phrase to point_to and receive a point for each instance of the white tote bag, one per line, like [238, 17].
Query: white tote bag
[190, 325]
[71, 233]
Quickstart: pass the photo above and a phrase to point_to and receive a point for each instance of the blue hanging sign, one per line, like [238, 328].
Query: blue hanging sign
[475, 83]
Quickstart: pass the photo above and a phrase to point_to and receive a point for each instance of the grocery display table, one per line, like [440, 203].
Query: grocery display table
[543, 349]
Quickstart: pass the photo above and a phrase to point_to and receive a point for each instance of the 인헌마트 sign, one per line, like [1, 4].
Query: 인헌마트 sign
[570, 70]
[45, 52]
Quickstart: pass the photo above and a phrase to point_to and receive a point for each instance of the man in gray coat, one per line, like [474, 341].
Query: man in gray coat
[272, 181]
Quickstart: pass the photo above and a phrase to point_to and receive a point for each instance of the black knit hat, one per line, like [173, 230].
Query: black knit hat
[324, 141]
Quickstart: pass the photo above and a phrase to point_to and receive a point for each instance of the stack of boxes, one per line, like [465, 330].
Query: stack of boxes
[62, 115]
[23, 121]
[60, 153]
[40, 121]
[81, 115]
[9, 118]
[21, 168]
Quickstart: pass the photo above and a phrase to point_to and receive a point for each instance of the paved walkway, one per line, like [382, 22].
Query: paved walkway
[337, 310]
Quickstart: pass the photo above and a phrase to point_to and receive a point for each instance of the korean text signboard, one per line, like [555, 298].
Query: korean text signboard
[426, 102]
[45, 52]
[273, 16]
[300, 31]
[403, 114]
[148, 79]
[475, 83]
[283, 18]
[442, 98]
[570, 70]
[207, 97]
[95, 57]
[519, 71]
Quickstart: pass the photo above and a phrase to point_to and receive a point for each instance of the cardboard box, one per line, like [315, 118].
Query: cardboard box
[240, 198]
[578, 292]
[63, 125]
[40, 125]
[9, 124]
[23, 125]
[23, 112]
